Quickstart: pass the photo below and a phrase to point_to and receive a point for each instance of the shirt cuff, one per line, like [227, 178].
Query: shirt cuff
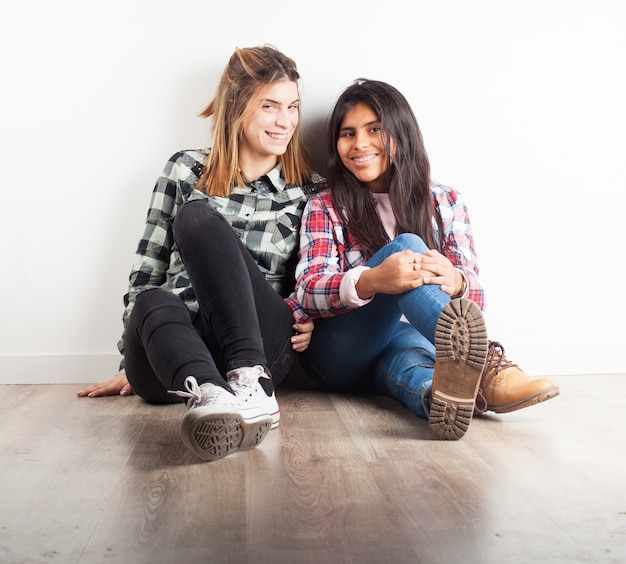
[347, 288]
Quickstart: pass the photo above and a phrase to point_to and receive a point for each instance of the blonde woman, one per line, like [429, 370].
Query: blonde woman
[210, 315]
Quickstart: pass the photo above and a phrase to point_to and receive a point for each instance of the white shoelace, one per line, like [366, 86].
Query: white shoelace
[196, 395]
[246, 380]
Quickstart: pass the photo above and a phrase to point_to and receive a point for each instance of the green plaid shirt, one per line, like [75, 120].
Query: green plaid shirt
[264, 213]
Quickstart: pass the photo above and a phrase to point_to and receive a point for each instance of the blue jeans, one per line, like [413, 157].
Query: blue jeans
[371, 350]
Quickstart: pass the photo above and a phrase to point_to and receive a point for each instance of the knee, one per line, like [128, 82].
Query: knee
[411, 242]
[194, 218]
[152, 297]
[153, 300]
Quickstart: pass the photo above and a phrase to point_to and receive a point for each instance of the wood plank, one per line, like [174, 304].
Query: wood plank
[343, 479]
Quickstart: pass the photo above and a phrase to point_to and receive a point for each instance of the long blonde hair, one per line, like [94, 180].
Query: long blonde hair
[249, 72]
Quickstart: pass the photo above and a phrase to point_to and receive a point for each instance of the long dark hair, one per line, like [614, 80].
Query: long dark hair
[409, 172]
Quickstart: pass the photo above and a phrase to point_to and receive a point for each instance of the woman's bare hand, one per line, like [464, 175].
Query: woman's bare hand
[398, 273]
[118, 385]
[439, 269]
[300, 341]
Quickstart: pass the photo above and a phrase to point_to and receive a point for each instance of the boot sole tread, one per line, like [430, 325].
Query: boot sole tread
[461, 345]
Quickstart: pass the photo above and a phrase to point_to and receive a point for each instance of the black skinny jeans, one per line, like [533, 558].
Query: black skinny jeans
[242, 320]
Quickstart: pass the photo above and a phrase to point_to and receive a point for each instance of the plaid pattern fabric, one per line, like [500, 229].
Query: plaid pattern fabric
[328, 251]
[265, 214]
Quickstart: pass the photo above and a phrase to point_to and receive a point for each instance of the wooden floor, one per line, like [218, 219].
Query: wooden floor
[343, 479]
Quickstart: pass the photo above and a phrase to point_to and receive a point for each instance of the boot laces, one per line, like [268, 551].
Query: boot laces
[494, 363]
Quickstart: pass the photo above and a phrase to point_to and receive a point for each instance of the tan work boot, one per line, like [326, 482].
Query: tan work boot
[505, 387]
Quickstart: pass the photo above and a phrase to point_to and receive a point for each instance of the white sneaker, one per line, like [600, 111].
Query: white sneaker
[218, 423]
[245, 383]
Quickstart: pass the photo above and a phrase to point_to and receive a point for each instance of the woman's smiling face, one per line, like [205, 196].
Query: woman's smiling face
[361, 147]
[272, 122]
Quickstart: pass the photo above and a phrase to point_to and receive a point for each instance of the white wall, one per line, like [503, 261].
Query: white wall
[521, 105]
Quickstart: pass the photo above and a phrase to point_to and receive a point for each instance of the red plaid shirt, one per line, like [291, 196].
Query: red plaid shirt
[328, 251]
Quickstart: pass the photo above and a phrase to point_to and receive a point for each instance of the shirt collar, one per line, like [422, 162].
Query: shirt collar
[276, 178]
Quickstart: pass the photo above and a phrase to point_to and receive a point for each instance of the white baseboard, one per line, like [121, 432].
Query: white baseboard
[58, 369]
